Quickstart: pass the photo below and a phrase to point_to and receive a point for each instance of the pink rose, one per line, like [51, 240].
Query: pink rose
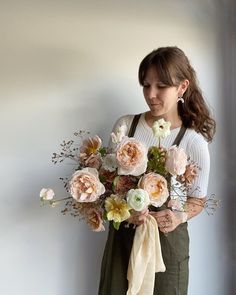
[123, 183]
[89, 155]
[131, 156]
[189, 175]
[85, 185]
[92, 161]
[94, 220]
[176, 161]
[107, 178]
[156, 186]
[91, 145]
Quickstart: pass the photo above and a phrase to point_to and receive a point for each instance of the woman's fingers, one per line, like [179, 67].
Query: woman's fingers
[166, 220]
[138, 217]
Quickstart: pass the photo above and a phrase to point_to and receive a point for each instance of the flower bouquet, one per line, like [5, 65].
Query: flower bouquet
[111, 184]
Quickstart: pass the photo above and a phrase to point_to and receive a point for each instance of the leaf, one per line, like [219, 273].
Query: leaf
[102, 178]
[116, 225]
[156, 160]
[115, 181]
[105, 215]
[102, 151]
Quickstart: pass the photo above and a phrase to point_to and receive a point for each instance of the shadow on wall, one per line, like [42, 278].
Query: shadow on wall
[104, 107]
[101, 106]
[229, 136]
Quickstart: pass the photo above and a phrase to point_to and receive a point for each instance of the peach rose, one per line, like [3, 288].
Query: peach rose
[131, 156]
[91, 145]
[176, 161]
[94, 220]
[123, 183]
[85, 185]
[189, 175]
[156, 186]
[92, 161]
[89, 155]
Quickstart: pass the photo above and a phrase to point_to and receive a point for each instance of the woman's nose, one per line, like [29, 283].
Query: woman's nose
[152, 93]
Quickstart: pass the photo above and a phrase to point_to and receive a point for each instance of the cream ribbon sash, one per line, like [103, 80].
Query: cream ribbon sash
[145, 259]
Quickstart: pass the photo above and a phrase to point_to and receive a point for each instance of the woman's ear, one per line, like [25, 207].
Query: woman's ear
[183, 87]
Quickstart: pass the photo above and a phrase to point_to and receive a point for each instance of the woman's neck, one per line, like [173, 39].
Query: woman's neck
[175, 122]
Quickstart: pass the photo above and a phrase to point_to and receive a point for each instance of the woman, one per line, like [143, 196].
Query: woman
[171, 92]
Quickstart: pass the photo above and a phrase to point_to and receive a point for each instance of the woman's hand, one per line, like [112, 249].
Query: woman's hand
[138, 218]
[166, 219]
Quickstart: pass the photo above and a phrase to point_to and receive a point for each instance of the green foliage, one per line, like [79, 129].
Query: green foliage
[116, 225]
[156, 160]
[104, 215]
[116, 179]
[102, 178]
[103, 151]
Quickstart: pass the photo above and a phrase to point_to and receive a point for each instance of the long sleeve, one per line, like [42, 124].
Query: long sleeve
[199, 153]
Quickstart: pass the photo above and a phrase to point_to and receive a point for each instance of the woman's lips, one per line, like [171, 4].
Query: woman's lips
[155, 104]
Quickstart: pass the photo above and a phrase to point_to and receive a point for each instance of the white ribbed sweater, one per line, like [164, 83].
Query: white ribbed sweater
[192, 142]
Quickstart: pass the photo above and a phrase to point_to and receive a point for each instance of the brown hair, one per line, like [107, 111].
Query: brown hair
[172, 67]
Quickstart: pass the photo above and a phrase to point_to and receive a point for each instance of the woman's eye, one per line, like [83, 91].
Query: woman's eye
[158, 86]
[161, 86]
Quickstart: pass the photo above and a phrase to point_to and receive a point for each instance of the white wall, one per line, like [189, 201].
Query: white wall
[70, 65]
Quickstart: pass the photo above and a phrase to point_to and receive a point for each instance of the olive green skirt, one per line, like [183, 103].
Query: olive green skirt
[175, 252]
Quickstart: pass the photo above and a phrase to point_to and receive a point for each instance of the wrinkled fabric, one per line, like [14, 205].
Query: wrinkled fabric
[145, 259]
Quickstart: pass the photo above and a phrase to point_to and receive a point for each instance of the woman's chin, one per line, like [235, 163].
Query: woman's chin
[156, 113]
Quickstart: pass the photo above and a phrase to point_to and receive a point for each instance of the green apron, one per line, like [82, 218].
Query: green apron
[175, 252]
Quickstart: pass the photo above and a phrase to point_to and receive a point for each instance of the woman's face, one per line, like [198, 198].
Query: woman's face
[161, 99]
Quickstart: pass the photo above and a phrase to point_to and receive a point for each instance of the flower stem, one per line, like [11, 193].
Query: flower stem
[54, 203]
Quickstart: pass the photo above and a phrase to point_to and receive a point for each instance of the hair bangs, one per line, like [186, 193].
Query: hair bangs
[162, 67]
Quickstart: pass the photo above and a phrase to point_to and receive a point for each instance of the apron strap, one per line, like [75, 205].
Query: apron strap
[176, 142]
[134, 125]
[179, 136]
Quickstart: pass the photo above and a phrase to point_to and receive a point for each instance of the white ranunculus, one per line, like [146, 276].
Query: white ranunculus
[138, 199]
[120, 133]
[46, 194]
[109, 162]
[161, 128]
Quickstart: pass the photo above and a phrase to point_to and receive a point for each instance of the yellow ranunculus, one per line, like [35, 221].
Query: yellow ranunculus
[117, 209]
